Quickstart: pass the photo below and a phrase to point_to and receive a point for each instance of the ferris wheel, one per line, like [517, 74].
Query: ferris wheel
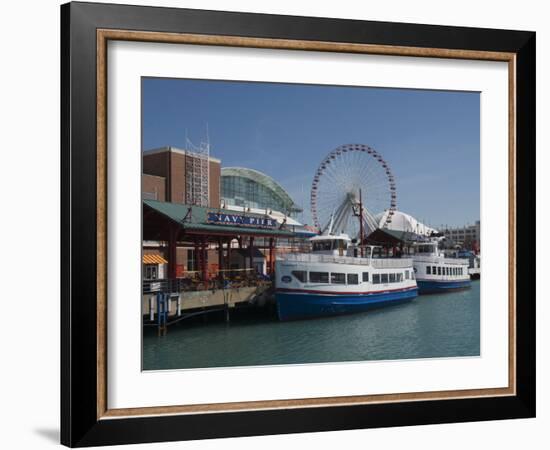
[347, 173]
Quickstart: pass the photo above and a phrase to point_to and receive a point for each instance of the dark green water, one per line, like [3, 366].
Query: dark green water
[430, 326]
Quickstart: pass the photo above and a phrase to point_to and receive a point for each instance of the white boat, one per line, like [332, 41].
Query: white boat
[335, 279]
[435, 273]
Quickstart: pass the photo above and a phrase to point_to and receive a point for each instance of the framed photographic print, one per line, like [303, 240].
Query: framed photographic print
[276, 224]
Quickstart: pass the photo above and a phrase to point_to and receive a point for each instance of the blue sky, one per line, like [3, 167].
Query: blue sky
[430, 139]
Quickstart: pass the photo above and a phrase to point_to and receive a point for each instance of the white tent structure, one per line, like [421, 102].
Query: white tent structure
[401, 221]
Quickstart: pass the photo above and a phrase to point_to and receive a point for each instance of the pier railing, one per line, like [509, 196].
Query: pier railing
[235, 279]
[378, 263]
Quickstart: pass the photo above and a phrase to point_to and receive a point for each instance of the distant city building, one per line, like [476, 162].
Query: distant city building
[248, 188]
[467, 237]
[175, 175]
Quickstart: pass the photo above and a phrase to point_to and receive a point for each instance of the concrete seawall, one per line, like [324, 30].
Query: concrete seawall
[207, 299]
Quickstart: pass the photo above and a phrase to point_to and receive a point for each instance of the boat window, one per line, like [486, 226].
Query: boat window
[400, 277]
[321, 246]
[412, 275]
[406, 274]
[428, 270]
[300, 275]
[384, 278]
[318, 277]
[439, 270]
[376, 278]
[338, 278]
[424, 249]
[434, 270]
[353, 278]
[393, 278]
[365, 277]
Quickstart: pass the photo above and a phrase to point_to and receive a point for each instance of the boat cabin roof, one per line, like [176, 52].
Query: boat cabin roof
[331, 237]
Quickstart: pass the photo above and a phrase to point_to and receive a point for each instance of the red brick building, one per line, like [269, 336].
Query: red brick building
[170, 175]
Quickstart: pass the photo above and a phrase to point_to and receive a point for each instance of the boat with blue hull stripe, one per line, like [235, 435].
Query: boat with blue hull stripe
[296, 304]
[433, 287]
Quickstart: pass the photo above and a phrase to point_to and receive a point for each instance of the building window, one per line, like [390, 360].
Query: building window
[191, 261]
[384, 278]
[353, 278]
[376, 278]
[149, 196]
[151, 271]
[338, 278]
[365, 277]
[318, 277]
[428, 270]
[300, 275]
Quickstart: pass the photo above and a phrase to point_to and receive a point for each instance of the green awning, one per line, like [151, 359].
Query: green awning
[195, 219]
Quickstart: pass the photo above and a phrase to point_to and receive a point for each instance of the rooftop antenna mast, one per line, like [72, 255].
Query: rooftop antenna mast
[197, 171]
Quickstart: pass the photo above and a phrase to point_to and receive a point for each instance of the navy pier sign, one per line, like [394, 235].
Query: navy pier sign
[236, 219]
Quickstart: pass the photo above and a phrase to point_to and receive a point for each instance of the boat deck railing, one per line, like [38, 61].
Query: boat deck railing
[439, 260]
[378, 263]
[392, 263]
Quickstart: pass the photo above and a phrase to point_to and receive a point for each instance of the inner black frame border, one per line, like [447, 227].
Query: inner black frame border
[79, 423]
